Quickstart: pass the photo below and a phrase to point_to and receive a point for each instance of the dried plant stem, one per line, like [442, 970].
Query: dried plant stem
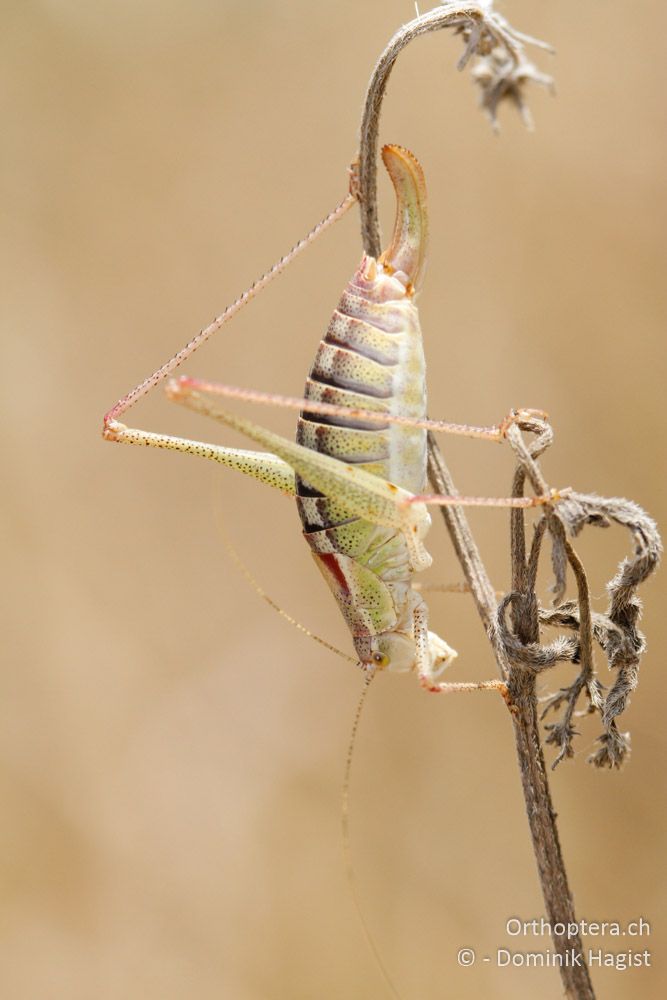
[544, 833]
[541, 816]
[539, 808]
[465, 547]
[537, 796]
[370, 124]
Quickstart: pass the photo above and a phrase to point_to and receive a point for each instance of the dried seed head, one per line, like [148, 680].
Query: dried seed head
[501, 79]
[500, 67]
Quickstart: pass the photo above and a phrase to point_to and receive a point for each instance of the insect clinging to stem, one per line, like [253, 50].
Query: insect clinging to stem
[358, 466]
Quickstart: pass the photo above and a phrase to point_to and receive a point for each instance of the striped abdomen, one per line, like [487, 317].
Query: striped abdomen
[371, 358]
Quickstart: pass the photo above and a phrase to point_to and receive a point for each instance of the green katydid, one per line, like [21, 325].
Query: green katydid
[358, 466]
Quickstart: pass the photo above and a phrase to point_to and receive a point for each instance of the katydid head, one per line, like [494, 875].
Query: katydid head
[397, 651]
[393, 651]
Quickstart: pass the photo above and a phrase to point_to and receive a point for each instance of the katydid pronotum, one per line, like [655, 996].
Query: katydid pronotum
[358, 467]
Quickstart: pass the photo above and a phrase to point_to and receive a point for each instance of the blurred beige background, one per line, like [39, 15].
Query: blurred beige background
[171, 751]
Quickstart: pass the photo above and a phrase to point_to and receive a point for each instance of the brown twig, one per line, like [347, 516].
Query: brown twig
[539, 808]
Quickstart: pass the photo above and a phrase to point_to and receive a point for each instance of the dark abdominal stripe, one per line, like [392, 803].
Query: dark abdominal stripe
[336, 380]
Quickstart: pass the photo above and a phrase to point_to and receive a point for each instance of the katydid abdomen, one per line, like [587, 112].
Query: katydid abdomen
[372, 358]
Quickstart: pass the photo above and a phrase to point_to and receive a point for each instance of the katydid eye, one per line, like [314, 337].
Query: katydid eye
[381, 659]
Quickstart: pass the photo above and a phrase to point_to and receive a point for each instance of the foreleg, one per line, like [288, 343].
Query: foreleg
[433, 655]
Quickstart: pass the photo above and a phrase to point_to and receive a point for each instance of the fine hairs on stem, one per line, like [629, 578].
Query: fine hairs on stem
[496, 53]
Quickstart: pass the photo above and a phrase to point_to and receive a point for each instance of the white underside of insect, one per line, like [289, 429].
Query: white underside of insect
[358, 466]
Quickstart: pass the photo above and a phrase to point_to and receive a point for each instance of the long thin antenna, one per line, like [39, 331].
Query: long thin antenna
[160, 374]
[257, 587]
[347, 853]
